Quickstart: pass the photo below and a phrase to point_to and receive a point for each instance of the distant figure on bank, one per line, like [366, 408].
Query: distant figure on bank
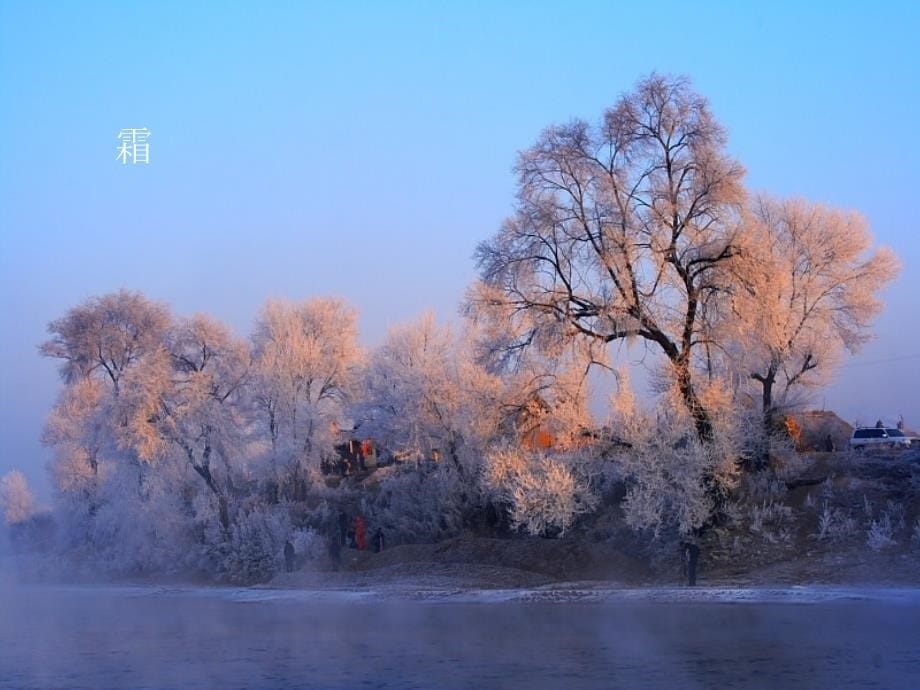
[289, 556]
[335, 548]
[343, 528]
[377, 541]
[829, 444]
[360, 533]
[690, 554]
[900, 422]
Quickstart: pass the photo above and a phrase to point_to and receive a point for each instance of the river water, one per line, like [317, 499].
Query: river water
[154, 637]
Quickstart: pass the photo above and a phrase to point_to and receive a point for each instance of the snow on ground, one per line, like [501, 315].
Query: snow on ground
[562, 593]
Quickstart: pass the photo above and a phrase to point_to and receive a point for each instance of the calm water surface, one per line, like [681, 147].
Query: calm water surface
[150, 638]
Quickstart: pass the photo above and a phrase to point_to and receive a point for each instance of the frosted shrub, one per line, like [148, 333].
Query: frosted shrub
[789, 464]
[764, 487]
[309, 545]
[544, 494]
[138, 522]
[134, 536]
[834, 524]
[500, 470]
[914, 479]
[844, 526]
[420, 505]
[879, 534]
[868, 510]
[550, 497]
[15, 497]
[825, 520]
[675, 481]
[771, 521]
[667, 489]
[896, 511]
[252, 550]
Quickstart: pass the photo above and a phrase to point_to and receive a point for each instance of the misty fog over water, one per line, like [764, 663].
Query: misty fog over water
[151, 637]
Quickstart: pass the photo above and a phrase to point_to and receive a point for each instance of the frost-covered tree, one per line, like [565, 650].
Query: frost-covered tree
[159, 447]
[543, 493]
[421, 503]
[808, 290]
[103, 343]
[623, 229]
[545, 403]
[78, 432]
[156, 393]
[146, 519]
[253, 549]
[191, 400]
[105, 336]
[675, 482]
[423, 392]
[305, 364]
[15, 497]
[204, 413]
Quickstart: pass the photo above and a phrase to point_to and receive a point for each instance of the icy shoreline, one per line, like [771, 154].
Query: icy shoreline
[563, 593]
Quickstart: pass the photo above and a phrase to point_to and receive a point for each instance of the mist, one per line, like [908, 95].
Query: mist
[78, 637]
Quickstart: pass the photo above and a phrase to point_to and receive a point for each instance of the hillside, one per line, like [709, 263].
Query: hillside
[823, 518]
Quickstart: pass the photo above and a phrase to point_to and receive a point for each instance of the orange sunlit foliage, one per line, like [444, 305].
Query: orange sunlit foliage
[538, 439]
[794, 430]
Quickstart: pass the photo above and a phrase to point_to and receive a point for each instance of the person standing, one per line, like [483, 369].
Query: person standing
[377, 541]
[343, 528]
[335, 547]
[360, 533]
[690, 554]
[289, 556]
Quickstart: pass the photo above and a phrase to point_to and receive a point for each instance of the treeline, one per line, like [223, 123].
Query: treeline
[178, 445]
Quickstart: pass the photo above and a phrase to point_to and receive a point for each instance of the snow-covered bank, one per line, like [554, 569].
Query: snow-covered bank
[561, 593]
[592, 593]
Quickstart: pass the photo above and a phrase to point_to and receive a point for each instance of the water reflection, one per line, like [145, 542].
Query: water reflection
[117, 638]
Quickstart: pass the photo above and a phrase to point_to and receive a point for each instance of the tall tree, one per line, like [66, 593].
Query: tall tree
[78, 431]
[423, 391]
[305, 358]
[808, 290]
[102, 343]
[622, 229]
[106, 336]
[194, 400]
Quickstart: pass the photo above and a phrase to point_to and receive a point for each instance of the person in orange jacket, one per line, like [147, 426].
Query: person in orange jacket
[360, 533]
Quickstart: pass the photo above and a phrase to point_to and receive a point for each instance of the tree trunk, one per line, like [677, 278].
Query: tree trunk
[701, 421]
[204, 471]
[767, 399]
[224, 512]
[452, 451]
[704, 432]
[762, 457]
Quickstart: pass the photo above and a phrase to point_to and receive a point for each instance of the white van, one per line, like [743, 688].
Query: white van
[875, 437]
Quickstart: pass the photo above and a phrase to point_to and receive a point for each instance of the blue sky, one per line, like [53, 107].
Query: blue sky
[363, 149]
